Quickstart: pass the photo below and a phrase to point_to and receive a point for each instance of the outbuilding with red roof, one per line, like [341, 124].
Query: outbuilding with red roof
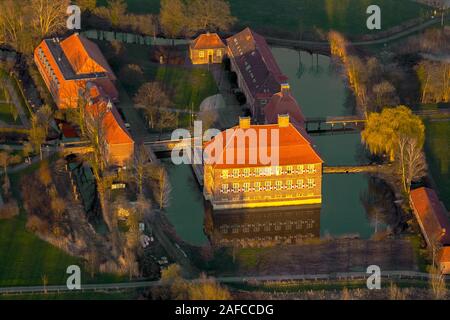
[207, 48]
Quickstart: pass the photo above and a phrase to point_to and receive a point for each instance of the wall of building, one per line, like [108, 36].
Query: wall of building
[253, 187]
[198, 58]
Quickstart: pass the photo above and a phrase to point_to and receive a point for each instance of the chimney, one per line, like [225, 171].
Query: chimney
[285, 88]
[244, 122]
[283, 120]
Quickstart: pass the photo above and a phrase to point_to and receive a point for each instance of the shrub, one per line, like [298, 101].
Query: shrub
[37, 225]
[9, 210]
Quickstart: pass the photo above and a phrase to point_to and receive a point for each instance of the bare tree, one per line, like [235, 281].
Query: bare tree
[48, 16]
[7, 159]
[173, 17]
[411, 160]
[437, 283]
[141, 167]
[37, 135]
[117, 10]
[45, 117]
[166, 120]
[162, 187]
[211, 15]
[385, 95]
[150, 98]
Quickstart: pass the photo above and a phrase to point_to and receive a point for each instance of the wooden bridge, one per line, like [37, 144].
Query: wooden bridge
[370, 168]
[331, 125]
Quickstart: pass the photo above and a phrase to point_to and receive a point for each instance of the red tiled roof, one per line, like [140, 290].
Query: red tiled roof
[115, 130]
[256, 63]
[432, 215]
[293, 147]
[85, 56]
[444, 254]
[283, 103]
[207, 41]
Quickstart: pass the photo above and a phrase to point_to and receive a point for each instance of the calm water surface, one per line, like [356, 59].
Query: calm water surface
[321, 92]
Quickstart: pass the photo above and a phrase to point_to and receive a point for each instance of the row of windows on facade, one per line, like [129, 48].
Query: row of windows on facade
[259, 186]
[201, 53]
[262, 197]
[268, 171]
[297, 225]
[48, 68]
[277, 238]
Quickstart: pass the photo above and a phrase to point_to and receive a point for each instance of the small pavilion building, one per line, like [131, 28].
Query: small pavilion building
[207, 48]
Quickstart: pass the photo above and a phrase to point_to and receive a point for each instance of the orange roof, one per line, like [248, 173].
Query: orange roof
[207, 41]
[293, 147]
[115, 130]
[444, 254]
[84, 56]
[432, 215]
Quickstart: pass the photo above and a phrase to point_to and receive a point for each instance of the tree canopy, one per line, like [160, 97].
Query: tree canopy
[383, 130]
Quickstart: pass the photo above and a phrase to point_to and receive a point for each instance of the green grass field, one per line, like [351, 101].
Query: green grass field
[437, 148]
[25, 259]
[122, 295]
[348, 16]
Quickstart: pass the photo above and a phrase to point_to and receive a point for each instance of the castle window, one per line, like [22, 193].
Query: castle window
[278, 171]
[259, 171]
[246, 172]
[311, 183]
[246, 187]
[289, 183]
[289, 169]
[311, 168]
[300, 183]
[268, 184]
[219, 53]
[201, 54]
[224, 188]
[300, 168]
[257, 186]
[279, 185]
[235, 187]
[235, 173]
[224, 174]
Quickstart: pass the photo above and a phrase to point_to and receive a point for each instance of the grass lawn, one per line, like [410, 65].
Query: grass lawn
[348, 16]
[122, 295]
[437, 146]
[25, 259]
[6, 115]
[185, 86]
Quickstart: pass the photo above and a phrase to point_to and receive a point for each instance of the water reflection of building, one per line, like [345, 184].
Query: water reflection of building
[259, 227]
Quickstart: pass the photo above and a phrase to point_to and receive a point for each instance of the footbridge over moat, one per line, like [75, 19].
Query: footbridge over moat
[313, 126]
[334, 125]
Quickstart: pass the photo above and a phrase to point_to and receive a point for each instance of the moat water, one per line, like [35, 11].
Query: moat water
[320, 91]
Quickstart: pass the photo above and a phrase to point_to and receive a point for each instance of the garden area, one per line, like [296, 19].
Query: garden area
[30, 260]
[294, 16]
[8, 113]
[135, 65]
